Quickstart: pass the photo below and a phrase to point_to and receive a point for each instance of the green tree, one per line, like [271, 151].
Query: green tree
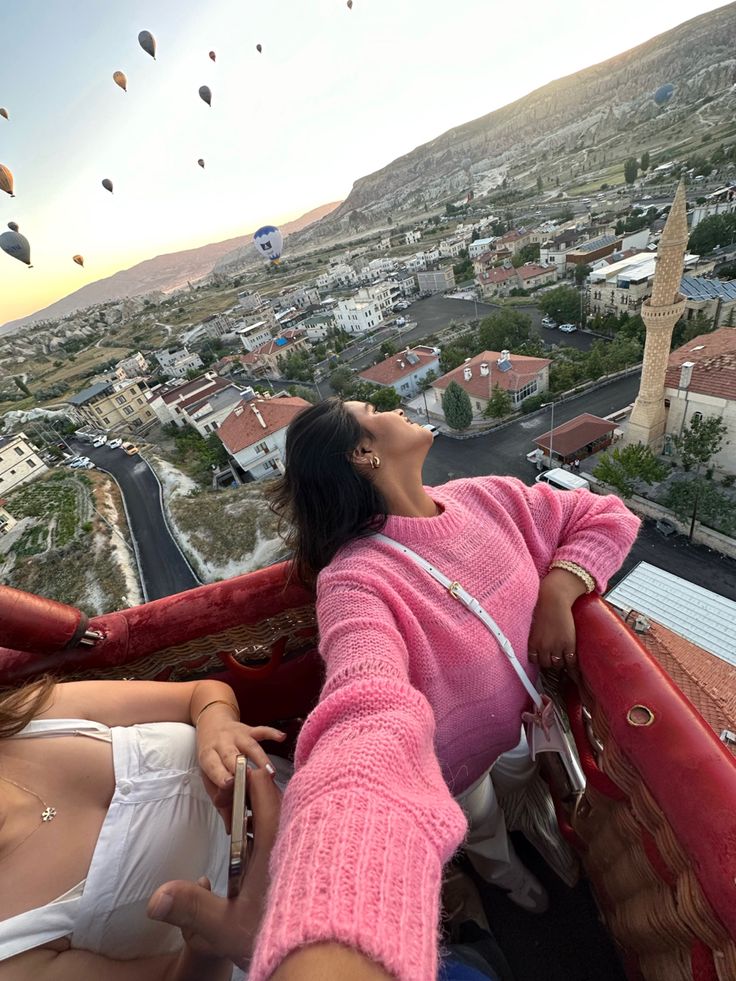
[700, 440]
[504, 330]
[385, 399]
[388, 348]
[500, 404]
[581, 274]
[540, 184]
[456, 407]
[427, 381]
[342, 380]
[630, 170]
[562, 304]
[308, 394]
[22, 385]
[529, 253]
[686, 330]
[623, 467]
[700, 498]
[644, 163]
[712, 232]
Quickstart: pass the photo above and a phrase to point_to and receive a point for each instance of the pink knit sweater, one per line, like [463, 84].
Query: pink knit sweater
[418, 702]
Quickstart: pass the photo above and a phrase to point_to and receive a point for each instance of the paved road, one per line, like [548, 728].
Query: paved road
[164, 569]
[504, 451]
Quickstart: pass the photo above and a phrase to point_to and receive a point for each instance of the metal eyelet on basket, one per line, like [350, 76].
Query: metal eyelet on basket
[640, 715]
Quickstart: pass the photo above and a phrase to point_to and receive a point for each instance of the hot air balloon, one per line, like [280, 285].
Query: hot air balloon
[15, 244]
[350, 4]
[205, 94]
[79, 259]
[269, 242]
[201, 163]
[148, 42]
[664, 93]
[120, 79]
[259, 49]
[6, 181]
[4, 113]
[213, 56]
[107, 184]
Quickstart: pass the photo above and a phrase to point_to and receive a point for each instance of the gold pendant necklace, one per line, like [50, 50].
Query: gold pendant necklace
[47, 814]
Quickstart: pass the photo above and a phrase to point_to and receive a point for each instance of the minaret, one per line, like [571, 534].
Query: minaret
[660, 313]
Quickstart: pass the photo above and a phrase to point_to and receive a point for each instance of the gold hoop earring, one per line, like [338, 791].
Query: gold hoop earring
[375, 462]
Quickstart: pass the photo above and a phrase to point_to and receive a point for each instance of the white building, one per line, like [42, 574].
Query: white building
[250, 301]
[341, 276]
[254, 434]
[377, 268]
[19, 462]
[176, 364]
[701, 380]
[358, 316]
[480, 245]
[169, 400]
[207, 413]
[404, 371]
[406, 283]
[451, 248]
[416, 263]
[254, 335]
[412, 237]
[132, 367]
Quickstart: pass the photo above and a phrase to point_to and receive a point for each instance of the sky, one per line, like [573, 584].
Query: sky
[335, 95]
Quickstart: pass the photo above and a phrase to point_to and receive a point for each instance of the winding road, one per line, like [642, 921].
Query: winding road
[163, 568]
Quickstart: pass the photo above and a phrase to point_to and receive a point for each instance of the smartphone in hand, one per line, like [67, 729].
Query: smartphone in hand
[241, 838]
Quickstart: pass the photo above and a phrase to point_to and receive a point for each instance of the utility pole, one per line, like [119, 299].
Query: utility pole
[551, 432]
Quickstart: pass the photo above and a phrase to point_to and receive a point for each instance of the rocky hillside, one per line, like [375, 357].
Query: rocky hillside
[159, 275]
[577, 124]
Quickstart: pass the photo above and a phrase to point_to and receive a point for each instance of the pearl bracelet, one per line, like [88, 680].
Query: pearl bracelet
[576, 570]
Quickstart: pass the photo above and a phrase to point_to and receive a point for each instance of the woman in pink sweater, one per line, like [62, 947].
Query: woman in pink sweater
[419, 701]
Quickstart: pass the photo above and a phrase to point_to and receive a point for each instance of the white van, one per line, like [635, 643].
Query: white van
[563, 480]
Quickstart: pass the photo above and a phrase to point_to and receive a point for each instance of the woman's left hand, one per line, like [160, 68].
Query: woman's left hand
[552, 637]
[219, 743]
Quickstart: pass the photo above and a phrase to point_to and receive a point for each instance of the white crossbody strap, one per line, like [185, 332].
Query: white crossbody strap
[457, 592]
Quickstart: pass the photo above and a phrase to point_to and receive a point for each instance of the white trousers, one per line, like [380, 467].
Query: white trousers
[488, 846]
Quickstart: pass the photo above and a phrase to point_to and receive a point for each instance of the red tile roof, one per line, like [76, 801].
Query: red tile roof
[576, 434]
[242, 428]
[389, 370]
[271, 347]
[523, 370]
[532, 269]
[498, 275]
[707, 681]
[714, 355]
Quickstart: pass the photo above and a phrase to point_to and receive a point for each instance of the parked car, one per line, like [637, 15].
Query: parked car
[83, 461]
[115, 444]
[130, 448]
[433, 429]
[549, 323]
[100, 442]
[665, 527]
[568, 328]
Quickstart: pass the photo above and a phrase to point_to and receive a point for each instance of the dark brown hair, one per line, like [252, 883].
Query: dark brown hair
[322, 500]
[19, 705]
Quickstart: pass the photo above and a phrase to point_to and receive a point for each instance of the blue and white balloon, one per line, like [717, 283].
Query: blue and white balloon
[270, 242]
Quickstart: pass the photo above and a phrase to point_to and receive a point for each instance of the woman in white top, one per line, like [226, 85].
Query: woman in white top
[101, 804]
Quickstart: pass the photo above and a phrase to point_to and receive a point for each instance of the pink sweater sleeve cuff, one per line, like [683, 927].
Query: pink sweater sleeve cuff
[353, 870]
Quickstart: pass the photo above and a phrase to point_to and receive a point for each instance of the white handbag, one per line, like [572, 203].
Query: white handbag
[545, 730]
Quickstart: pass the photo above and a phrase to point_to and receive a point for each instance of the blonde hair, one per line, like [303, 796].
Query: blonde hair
[19, 705]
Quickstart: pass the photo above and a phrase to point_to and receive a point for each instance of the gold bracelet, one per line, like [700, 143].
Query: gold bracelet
[217, 701]
[576, 570]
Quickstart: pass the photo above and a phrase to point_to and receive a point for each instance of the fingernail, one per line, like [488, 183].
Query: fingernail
[269, 769]
[162, 906]
[229, 782]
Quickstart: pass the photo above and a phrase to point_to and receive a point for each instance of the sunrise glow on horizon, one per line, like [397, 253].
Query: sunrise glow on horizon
[335, 95]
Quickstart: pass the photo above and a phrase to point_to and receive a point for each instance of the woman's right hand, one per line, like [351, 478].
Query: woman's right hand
[214, 927]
